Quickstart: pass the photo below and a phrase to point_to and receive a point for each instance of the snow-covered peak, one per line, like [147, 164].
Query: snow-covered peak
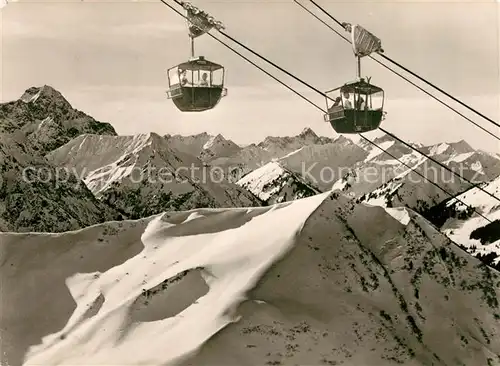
[47, 92]
[217, 147]
[308, 133]
[384, 138]
[273, 183]
[323, 164]
[385, 145]
[475, 165]
[378, 147]
[389, 152]
[218, 139]
[193, 144]
[280, 146]
[106, 159]
[342, 140]
[450, 149]
[439, 149]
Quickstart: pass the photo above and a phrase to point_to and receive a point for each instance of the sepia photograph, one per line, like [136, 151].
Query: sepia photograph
[249, 183]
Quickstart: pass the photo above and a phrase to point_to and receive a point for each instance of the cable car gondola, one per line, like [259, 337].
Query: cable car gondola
[357, 106]
[198, 84]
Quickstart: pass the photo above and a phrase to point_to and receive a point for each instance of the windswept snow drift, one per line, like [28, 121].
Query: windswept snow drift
[231, 260]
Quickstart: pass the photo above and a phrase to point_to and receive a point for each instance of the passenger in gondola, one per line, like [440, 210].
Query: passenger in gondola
[337, 104]
[204, 81]
[347, 103]
[183, 77]
[360, 103]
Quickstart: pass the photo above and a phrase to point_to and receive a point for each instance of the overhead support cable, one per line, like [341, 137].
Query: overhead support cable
[408, 71]
[324, 95]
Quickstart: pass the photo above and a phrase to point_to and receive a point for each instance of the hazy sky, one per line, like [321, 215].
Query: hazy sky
[109, 59]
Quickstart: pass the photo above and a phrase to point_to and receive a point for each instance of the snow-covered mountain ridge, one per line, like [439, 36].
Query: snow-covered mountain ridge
[319, 280]
[356, 168]
[142, 175]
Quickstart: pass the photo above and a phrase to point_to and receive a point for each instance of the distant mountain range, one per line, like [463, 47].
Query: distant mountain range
[193, 250]
[142, 175]
[113, 177]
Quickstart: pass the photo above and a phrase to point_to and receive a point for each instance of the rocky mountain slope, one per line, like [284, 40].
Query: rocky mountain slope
[273, 183]
[142, 175]
[461, 157]
[47, 119]
[35, 195]
[323, 164]
[412, 189]
[42, 123]
[235, 161]
[204, 146]
[218, 147]
[280, 146]
[458, 221]
[192, 145]
[249, 158]
[306, 154]
[316, 281]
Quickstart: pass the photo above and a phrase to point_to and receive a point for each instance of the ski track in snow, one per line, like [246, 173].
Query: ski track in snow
[236, 258]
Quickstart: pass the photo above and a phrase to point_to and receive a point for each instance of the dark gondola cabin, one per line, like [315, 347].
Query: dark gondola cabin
[355, 107]
[196, 85]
